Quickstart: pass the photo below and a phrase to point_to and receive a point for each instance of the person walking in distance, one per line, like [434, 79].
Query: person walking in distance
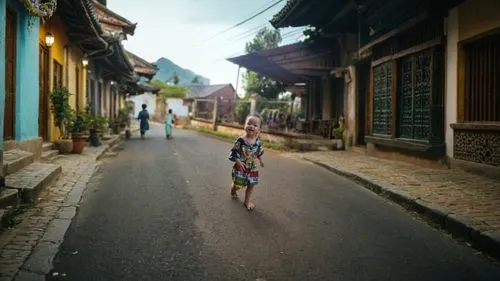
[143, 117]
[246, 151]
[169, 123]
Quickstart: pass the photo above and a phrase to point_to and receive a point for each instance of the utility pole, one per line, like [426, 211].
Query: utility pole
[236, 90]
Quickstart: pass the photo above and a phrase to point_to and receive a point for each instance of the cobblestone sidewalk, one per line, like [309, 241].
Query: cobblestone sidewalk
[464, 204]
[27, 250]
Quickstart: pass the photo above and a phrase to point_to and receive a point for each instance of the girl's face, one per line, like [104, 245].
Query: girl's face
[252, 126]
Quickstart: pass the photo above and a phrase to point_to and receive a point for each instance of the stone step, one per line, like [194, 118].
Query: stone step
[47, 146]
[32, 179]
[5, 215]
[49, 155]
[15, 160]
[9, 197]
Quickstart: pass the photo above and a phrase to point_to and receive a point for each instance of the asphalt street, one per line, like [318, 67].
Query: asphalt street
[161, 210]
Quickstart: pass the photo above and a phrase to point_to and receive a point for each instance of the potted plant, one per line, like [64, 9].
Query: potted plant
[96, 126]
[123, 118]
[59, 99]
[338, 133]
[79, 124]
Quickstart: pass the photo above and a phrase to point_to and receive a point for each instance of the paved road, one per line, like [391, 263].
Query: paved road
[161, 210]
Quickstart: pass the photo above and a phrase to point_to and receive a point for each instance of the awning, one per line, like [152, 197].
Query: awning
[290, 64]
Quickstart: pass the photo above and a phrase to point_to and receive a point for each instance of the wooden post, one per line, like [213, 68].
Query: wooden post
[214, 118]
[193, 108]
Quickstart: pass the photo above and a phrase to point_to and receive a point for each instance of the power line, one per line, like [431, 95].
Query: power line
[249, 32]
[246, 20]
[290, 34]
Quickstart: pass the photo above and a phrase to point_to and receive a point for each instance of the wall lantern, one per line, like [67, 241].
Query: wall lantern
[85, 62]
[49, 39]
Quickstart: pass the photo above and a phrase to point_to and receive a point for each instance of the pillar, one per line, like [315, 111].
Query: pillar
[2, 86]
[253, 104]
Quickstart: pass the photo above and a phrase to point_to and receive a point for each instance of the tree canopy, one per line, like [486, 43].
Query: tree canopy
[175, 79]
[196, 80]
[253, 82]
[170, 91]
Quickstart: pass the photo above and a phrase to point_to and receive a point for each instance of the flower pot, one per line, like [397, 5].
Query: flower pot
[65, 146]
[77, 136]
[79, 145]
[94, 138]
[338, 144]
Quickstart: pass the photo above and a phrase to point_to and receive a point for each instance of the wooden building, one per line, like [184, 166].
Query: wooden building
[392, 60]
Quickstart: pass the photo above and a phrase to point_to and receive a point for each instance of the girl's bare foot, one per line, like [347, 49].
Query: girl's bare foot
[234, 194]
[249, 206]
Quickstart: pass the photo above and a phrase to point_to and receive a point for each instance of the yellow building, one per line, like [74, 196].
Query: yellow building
[61, 64]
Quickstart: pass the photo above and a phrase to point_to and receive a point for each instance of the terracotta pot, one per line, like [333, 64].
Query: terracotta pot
[77, 136]
[65, 146]
[79, 145]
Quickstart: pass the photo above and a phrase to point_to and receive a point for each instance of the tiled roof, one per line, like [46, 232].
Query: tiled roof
[111, 20]
[203, 91]
[141, 65]
[284, 12]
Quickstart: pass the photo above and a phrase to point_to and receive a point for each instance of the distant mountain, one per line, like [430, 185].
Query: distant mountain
[168, 68]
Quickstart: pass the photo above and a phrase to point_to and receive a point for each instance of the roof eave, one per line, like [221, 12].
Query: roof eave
[278, 19]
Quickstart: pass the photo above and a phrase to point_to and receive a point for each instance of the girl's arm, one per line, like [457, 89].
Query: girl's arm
[234, 155]
[260, 152]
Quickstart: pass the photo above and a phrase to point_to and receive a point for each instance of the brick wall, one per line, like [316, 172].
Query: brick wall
[227, 103]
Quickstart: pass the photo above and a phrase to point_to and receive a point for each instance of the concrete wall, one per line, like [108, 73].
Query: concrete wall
[178, 107]
[27, 75]
[451, 77]
[478, 16]
[147, 98]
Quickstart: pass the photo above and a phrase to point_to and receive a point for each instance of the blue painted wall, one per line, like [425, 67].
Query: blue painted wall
[2, 68]
[27, 92]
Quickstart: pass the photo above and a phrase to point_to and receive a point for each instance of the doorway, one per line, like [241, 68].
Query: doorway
[10, 75]
[363, 74]
[43, 81]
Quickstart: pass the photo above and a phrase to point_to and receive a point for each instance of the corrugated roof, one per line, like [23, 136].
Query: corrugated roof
[203, 91]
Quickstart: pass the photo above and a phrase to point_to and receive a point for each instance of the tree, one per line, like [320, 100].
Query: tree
[196, 80]
[175, 79]
[169, 91]
[265, 87]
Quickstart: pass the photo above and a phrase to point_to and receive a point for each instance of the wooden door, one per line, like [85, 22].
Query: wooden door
[10, 75]
[43, 81]
[58, 75]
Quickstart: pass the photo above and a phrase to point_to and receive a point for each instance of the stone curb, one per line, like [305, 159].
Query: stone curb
[459, 227]
[40, 261]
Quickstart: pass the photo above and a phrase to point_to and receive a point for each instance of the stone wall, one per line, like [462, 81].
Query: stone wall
[298, 141]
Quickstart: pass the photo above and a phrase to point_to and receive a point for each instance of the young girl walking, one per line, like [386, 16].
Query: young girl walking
[169, 121]
[247, 150]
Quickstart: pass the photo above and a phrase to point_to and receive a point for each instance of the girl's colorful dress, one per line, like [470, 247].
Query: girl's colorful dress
[248, 154]
[169, 120]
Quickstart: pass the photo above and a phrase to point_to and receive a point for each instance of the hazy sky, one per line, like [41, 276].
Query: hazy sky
[180, 31]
